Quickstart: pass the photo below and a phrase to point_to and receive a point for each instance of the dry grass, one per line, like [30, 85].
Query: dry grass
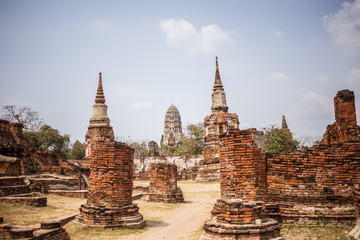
[155, 213]
[57, 207]
[293, 232]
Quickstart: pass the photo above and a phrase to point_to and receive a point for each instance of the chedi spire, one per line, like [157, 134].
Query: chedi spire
[217, 83]
[283, 123]
[100, 98]
[218, 95]
[99, 116]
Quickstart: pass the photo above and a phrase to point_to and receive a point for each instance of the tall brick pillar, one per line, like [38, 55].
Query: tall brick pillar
[240, 213]
[345, 113]
[344, 128]
[109, 202]
[242, 166]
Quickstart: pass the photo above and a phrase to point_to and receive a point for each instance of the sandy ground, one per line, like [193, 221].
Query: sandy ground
[186, 219]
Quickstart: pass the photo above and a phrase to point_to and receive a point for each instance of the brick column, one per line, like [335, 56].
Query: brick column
[239, 214]
[109, 202]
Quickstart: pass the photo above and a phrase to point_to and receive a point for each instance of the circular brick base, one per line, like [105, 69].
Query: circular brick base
[110, 217]
[267, 229]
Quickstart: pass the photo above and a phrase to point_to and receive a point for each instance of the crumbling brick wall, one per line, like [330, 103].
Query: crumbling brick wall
[318, 183]
[32, 161]
[163, 183]
[109, 201]
[110, 182]
[242, 166]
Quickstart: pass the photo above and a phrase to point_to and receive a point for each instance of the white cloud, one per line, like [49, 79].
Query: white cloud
[141, 105]
[279, 77]
[315, 97]
[344, 26]
[102, 24]
[183, 35]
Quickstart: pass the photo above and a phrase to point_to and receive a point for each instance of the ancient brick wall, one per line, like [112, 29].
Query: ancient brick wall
[317, 184]
[321, 175]
[163, 183]
[32, 161]
[242, 166]
[9, 166]
[110, 182]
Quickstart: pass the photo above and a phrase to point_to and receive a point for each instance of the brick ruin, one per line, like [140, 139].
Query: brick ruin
[109, 201]
[18, 158]
[163, 184]
[153, 149]
[240, 213]
[172, 127]
[47, 230]
[316, 185]
[187, 166]
[217, 124]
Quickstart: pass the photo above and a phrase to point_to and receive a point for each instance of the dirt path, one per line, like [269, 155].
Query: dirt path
[186, 220]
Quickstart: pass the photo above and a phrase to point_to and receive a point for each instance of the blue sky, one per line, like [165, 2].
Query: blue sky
[275, 57]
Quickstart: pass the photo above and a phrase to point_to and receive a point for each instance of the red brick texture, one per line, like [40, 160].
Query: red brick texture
[109, 201]
[163, 183]
[31, 161]
[242, 167]
[242, 181]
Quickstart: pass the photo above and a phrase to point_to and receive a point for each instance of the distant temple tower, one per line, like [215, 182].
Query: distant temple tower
[172, 127]
[219, 123]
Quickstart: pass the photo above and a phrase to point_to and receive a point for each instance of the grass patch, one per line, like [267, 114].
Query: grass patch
[81, 233]
[57, 206]
[294, 232]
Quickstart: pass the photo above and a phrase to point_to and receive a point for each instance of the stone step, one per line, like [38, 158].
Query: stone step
[11, 181]
[11, 190]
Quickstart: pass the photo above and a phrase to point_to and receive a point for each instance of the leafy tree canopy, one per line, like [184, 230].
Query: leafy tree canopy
[49, 139]
[78, 151]
[279, 140]
[191, 144]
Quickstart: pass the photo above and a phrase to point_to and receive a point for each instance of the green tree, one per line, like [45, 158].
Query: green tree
[191, 144]
[279, 140]
[49, 139]
[78, 150]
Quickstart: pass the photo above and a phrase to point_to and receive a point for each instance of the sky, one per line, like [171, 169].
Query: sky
[276, 58]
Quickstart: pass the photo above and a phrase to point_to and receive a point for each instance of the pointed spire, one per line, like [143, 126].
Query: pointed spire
[217, 83]
[283, 123]
[100, 98]
[218, 95]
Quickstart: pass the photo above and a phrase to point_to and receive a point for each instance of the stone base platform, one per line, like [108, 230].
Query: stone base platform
[110, 217]
[168, 198]
[237, 219]
[268, 229]
[32, 199]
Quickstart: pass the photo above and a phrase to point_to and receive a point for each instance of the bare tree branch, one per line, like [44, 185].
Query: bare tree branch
[24, 115]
